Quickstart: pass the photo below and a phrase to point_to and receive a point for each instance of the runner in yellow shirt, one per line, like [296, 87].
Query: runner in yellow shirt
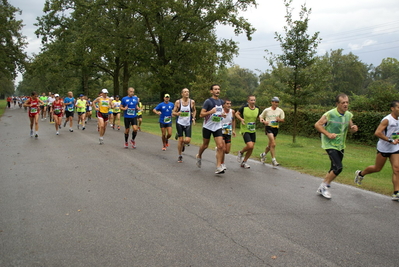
[104, 104]
[81, 109]
[116, 105]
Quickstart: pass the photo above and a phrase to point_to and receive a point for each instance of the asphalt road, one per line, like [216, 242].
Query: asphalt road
[68, 201]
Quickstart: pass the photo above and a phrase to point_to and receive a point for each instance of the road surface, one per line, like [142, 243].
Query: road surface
[68, 201]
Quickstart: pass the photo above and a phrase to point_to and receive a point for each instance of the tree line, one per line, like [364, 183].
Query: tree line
[163, 46]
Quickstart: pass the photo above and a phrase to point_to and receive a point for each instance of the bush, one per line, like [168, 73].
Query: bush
[367, 122]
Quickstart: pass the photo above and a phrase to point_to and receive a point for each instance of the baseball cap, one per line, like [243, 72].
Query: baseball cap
[166, 95]
[275, 99]
[117, 96]
[56, 95]
[104, 91]
[81, 95]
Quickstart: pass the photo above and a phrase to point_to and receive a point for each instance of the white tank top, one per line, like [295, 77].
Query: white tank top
[392, 132]
[227, 123]
[185, 114]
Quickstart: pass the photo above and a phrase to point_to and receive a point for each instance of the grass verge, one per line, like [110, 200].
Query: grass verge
[3, 105]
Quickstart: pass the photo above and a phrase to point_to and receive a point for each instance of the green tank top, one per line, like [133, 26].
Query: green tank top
[338, 124]
[250, 116]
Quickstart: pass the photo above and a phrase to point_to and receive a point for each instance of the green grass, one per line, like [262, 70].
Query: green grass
[305, 156]
[3, 105]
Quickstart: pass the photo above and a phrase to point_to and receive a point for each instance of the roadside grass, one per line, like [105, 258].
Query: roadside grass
[3, 105]
[305, 156]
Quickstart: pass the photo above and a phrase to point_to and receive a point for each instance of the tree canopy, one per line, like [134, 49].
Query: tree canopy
[171, 42]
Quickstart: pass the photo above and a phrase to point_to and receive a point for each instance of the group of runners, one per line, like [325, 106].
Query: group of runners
[16, 100]
[219, 121]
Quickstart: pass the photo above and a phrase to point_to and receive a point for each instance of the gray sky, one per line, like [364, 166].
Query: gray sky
[367, 28]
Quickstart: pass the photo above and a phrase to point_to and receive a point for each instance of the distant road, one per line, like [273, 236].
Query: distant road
[68, 201]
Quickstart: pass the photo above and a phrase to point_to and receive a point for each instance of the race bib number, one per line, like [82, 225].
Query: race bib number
[70, 109]
[216, 118]
[274, 124]
[117, 110]
[184, 114]
[33, 110]
[167, 119]
[131, 111]
[395, 136]
[251, 126]
[104, 103]
[227, 128]
[57, 111]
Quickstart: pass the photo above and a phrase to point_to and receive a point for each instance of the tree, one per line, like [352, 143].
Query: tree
[237, 83]
[12, 44]
[349, 74]
[172, 42]
[293, 65]
[388, 70]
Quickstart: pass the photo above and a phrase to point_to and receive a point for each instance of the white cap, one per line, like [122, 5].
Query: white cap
[56, 95]
[275, 99]
[104, 91]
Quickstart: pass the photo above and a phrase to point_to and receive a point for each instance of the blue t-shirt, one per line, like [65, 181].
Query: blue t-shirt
[131, 103]
[166, 112]
[71, 106]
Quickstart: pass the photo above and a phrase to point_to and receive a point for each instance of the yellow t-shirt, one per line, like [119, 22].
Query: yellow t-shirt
[81, 105]
[104, 105]
[141, 111]
[117, 106]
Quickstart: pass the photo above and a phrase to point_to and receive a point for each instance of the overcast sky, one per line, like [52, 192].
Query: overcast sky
[367, 28]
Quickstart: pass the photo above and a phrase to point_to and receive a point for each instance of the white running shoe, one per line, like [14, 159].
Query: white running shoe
[224, 166]
[324, 191]
[395, 197]
[239, 157]
[57, 133]
[245, 165]
[219, 170]
[31, 133]
[262, 157]
[101, 139]
[358, 177]
[275, 163]
[198, 161]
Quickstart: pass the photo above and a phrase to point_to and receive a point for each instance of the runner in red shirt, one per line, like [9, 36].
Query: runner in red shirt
[57, 106]
[9, 99]
[33, 104]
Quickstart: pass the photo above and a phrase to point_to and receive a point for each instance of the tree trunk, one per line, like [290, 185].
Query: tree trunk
[116, 75]
[295, 129]
[85, 83]
[126, 76]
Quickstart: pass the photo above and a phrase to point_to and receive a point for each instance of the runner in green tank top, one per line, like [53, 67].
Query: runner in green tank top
[334, 126]
[247, 115]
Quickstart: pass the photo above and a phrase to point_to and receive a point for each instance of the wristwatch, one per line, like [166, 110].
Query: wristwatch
[390, 140]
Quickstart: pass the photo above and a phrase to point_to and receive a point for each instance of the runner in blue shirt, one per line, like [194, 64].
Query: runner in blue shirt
[129, 105]
[69, 103]
[164, 110]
